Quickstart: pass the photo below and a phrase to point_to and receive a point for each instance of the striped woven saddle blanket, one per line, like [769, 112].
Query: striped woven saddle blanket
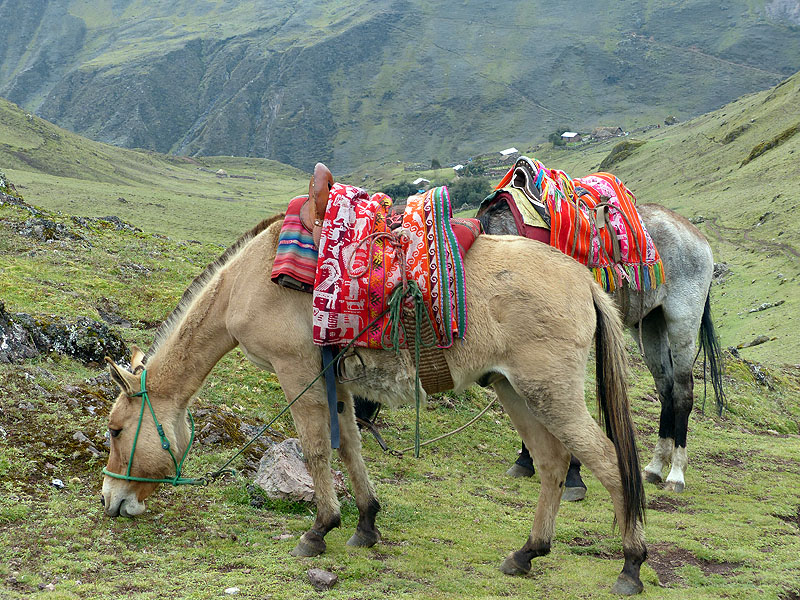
[593, 219]
[365, 253]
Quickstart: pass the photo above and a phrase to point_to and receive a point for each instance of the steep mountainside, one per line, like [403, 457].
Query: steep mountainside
[357, 81]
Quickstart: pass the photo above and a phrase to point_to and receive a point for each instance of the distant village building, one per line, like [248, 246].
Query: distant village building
[571, 136]
[458, 168]
[222, 173]
[508, 152]
[421, 183]
[602, 133]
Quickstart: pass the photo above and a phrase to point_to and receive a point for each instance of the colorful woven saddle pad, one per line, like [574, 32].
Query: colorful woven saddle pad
[593, 219]
[362, 261]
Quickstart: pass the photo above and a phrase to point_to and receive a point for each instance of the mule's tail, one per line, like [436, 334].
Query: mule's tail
[612, 396]
[712, 351]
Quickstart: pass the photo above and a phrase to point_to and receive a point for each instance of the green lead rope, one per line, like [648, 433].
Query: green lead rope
[396, 306]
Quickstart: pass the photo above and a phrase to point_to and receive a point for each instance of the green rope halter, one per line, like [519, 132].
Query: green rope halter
[177, 480]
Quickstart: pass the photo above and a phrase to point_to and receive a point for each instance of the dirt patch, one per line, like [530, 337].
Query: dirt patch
[666, 559]
[669, 504]
[589, 547]
[791, 519]
[790, 595]
[724, 460]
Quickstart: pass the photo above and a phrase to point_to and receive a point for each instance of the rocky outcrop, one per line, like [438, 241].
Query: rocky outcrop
[23, 336]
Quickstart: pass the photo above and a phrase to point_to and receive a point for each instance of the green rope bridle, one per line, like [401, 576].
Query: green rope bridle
[177, 480]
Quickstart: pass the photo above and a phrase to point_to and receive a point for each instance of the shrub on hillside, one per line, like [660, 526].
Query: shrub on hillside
[400, 191]
[619, 153]
[469, 190]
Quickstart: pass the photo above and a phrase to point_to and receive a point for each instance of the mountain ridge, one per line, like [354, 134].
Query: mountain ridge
[396, 79]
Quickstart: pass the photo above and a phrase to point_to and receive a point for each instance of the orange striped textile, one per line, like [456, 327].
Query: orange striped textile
[594, 220]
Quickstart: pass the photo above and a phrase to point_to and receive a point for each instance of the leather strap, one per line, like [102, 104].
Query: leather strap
[330, 388]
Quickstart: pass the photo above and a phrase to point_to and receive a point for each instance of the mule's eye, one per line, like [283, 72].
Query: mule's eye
[114, 432]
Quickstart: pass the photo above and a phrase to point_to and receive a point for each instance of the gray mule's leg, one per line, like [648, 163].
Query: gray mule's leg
[683, 348]
[574, 488]
[523, 466]
[366, 533]
[658, 357]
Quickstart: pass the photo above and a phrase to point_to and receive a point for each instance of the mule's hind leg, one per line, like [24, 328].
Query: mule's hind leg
[551, 459]
[658, 358]
[683, 348]
[366, 533]
[581, 434]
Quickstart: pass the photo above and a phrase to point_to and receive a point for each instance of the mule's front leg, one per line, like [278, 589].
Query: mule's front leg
[312, 421]
[366, 534]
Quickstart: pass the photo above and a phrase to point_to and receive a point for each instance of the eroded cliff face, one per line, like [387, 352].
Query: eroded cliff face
[783, 11]
[386, 79]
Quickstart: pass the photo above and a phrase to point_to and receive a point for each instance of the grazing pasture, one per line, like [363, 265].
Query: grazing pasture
[447, 520]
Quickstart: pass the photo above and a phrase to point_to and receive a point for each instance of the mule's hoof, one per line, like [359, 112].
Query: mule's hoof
[627, 586]
[519, 471]
[511, 566]
[674, 486]
[309, 545]
[364, 539]
[651, 477]
[573, 494]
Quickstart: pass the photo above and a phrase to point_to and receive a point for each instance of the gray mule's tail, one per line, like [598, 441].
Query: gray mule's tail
[712, 351]
[612, 396]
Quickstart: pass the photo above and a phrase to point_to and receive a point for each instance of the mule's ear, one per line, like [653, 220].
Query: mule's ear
[137, 360]
[126, 381]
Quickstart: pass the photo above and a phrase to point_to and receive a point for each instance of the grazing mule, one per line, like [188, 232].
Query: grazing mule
[533, 315]
[672, 317]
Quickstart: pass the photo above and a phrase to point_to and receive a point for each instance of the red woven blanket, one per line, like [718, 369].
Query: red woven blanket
[594, 220]
[358, 268]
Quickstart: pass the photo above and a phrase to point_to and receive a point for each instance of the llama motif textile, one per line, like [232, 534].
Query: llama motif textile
[594, 220]
[362, 261]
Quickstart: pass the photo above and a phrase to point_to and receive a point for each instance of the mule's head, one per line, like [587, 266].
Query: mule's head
[150, 459]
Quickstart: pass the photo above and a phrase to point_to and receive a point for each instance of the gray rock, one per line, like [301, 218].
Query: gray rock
[283, 475]
[23, 336]
[322, 580]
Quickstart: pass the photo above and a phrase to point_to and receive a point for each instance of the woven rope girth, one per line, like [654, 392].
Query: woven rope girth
[434, 374]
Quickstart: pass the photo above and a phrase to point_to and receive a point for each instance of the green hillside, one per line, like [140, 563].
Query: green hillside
[176, 196]
[733, 533]
[406, 80]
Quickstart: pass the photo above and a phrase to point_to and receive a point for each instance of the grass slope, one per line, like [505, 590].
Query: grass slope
[448, 518]
[170, 195]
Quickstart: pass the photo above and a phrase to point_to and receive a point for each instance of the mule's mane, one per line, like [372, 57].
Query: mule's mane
[200, 282]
